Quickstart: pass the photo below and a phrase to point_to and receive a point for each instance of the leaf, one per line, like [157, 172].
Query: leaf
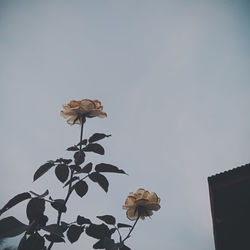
[55, 229]
[54, 238]
[42, 170]
[74, 148]
[98, 231]
[109, 244]
[40, 195]
[42, 220]
[100, 179]
[38, 222]
[82, 220]
[112, 230]
[64, 226]
[109, 219]
[79, 157]
[99, 244]
[22, 242]
[75, 168]
[87, 168]
[59, 205]
[74, 233]
[81, 188]
[15, 200]
[71, 181]
[62, 160]
[103, 167]
[66, 161]
[120, 225]
[124, 248]
[62, 172]
[94, 147]
[10, 227]
[35, 241]
[97, 136]
[83, 142]
[35, 208]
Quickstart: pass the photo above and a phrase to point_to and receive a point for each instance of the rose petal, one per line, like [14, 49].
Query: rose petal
[87, 104]
[141, 202]
[132, 214]
[152, 206]
[74, 104]
[72, 120]
[152, 197]
[130, 200]
[63, 114]
[96, 112]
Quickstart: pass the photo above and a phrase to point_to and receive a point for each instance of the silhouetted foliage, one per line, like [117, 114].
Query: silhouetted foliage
[40, 236]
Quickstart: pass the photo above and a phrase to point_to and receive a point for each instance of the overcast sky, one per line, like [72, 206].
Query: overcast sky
[174, 79]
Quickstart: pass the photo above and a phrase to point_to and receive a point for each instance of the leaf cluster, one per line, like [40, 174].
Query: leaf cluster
[74, 174]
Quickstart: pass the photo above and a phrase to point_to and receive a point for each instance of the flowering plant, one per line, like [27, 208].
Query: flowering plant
[75, 174]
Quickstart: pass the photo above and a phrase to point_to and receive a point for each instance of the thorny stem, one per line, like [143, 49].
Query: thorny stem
[82, 119]
[132, 228]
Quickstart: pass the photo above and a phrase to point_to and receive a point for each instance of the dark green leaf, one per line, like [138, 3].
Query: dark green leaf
[40, 195]
[112, 230]
[82, 220]
[79, 157]
[97, 136]
[87, 168]
[66, 161]
[98, 231]
[103, 167]
[55, 229]
[59, 205]
[81, 188]
[124, 248]
[10, 227]
[42, 170]
[74, 148]
[120, 225]
[35, 208]
[71, 181]
[22, 242]
[62, 172]
[109, 244]
[64, 226]
[100, 179]
[99, 244]
[54, 238]
[94, 147]
[109, 219]
[15, 200]
[75, 168]
[34, 242]
[74, 233]
[83, 142]
[42, 220]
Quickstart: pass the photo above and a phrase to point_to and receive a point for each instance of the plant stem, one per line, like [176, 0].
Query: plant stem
[82, 119]
[120, 236]
[132, 228]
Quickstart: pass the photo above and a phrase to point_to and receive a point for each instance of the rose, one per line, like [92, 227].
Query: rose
[84, 108]
[142, 203]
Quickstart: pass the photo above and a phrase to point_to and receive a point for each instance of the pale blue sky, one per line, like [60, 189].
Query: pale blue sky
[173, 77]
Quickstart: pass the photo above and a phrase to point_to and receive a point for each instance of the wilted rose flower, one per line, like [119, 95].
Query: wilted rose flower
[87, 108]
[142, 203]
